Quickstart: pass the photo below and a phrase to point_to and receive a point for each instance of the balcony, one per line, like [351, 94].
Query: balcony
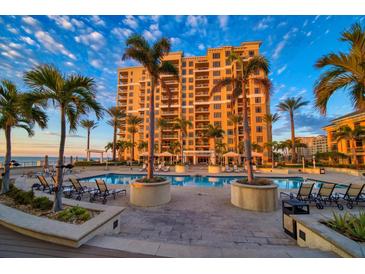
[169, 136]
[202, 86]
[201, 94]
[170, 113]
[202, 110]
[202, 118]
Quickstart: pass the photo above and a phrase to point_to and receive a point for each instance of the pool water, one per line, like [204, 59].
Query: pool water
[198, 181]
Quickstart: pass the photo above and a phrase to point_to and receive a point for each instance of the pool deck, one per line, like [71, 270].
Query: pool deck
[201, 222]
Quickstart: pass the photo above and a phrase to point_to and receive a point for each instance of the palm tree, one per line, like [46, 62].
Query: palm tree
[74, 96]
[88, 125]
[240, 84]
[142, 146]
[270, 119]
[235, 120]
[272, 146]
[182, 124]
[256, 147]
[345, 70]
[116, 115]
[351, 135]
[151, 57]
[214, 133]
[290, 105]
[16, 111]
[161, 124]
[220, 148]
[133, 123]
[174, 147]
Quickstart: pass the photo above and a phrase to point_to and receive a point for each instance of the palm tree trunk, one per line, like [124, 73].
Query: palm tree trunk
[181, 147]
[114, 141]
[151, 136]
[6, 177]
[236, 138]
[293, 152]
[246, 136]
[57, 205]
[132, 147]
[88, 144]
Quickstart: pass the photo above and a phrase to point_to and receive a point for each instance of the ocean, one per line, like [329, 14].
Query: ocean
[32, 161]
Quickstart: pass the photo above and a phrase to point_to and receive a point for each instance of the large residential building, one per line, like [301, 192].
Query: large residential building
[344, 146]
[192, 100]
[315, 144]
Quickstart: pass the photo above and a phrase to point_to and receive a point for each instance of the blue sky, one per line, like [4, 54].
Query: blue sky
[93, 46]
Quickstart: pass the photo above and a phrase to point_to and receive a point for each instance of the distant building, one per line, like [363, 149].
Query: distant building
[352, 120]
[314, 144]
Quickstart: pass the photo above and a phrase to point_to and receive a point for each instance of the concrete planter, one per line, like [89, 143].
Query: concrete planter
[180, 169]
[214, 169]
[253, 197]
[150, 194]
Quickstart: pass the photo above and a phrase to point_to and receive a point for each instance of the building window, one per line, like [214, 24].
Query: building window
[259, 129]
[191, 88]
[216, 55]
[130, 94]
[217, 115]
[258, 109]
[258, 119]
[229, 87]
[191, 95]
[191, 134]
[230, 141]
[184, 80]
[216, 73]
[216, 64]
[130, 101]
[184, 64]
[229, 132]
[251, 53]
[191, 110]
[217, 98]
[217, 106]
[191, 80]
[191, 71]
[228, 62]
[215, 81]
[217, 124]
[228, 71]
[257, 91]
[191, 142]
[184, 72]
[228, 53]
[259, 139]
[257, 100]
[191, 63]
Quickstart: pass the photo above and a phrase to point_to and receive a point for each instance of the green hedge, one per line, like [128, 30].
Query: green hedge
[22, 197]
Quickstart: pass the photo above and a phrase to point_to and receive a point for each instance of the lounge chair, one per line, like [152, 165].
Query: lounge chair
[165, 168]
[228, 169]
[44, 185]
[304, 192]
[237, 169]
[353, 195]
[325, 196]
[103, 191]
[144, 168]
[158, 168]
[78, 189]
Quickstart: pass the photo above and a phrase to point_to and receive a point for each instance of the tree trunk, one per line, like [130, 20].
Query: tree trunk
[57, 205]
[354, 154]
[160, 141]
[132, 156]
[246, 136]
[6, 177]
[114, 141]
[151, 136]
[293, 152]
[88, 144]
[181, 146]
[236, 137]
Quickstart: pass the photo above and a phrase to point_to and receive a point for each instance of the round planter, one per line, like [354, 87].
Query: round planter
[180, 169]
[214, 169]
[150, 194]
[254, 197]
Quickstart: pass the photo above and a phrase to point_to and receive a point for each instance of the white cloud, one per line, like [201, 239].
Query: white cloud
[201, 46]
[282, 24]
[15, 46]
[153, 33]
[9, 52]
[223, 21]
[11, 29]
[96, 63]
[30, 21]
[315, 19]
[62, 21]
[309, 33]
[77, 23]
[28, 40]
[282, 69]
[94, 39]
[264, 23]
[121, 33]
[196, 23]
[305, 23]
[98, 21]
[175, 40]
[281, 45]
[52, 45]
[69, 64]
[130, 21]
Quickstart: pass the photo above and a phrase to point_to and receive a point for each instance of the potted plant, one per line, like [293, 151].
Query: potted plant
[214, 132]
[179, 167]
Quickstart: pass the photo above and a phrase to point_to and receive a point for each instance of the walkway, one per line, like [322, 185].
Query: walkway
[14, 245]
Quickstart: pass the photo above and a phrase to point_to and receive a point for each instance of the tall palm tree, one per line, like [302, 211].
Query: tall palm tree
[235, 119]
[240, 84]
[344, 70]
[220, 148]
[151, 57]
[142, 146]
[272, 146]
[115, 121]
[133, 123]
[270, 119]
[214, 133]
[351, 135]
[16, 111]
[290, 105]
[88, 125]
[161, 125]
[174, 147]
[74, 96]
[182, 125]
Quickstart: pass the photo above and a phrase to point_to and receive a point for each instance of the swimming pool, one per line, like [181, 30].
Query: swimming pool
[197, 181]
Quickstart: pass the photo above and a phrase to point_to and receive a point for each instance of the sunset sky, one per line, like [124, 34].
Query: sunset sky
[93, 46]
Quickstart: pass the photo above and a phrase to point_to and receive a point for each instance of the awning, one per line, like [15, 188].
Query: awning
[231, 154]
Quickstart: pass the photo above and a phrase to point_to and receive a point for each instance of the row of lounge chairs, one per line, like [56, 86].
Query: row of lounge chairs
[234, 169]
[101, 191]
[159, 167]
[326, 196]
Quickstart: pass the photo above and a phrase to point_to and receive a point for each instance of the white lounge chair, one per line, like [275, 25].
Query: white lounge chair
[165, 168]
[144, 168]
[228, 169]
[237, 169]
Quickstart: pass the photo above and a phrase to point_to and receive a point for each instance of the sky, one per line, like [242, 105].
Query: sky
[93, 46]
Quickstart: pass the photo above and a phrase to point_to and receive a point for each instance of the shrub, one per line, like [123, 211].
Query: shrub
[24, 197]
[350, 225]
[73, 214]
[42, 203]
